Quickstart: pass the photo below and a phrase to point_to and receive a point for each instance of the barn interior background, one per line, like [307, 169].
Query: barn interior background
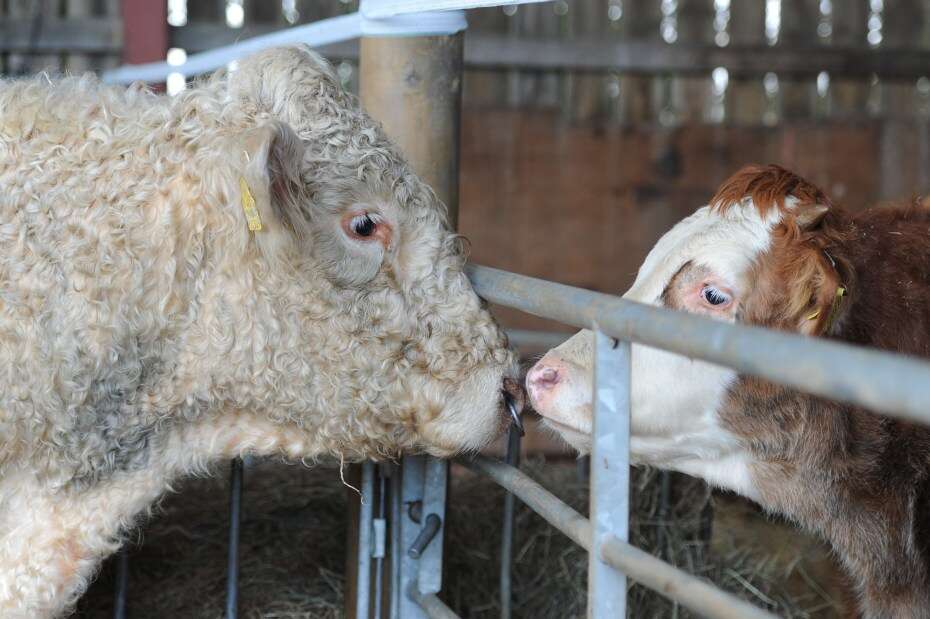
[589, 127]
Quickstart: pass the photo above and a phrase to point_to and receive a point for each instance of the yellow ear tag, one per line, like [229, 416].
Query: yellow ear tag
[840, 292]
[837, 298]
[248, 206]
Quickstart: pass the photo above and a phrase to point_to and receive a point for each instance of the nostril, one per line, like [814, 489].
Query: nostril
[544, 376]
[549, 375]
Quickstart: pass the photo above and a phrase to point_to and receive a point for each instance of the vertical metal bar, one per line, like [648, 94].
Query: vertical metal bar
[366, 514]
[397, 549]
[122, 584]
[411, 520]
[379, 526]
[435, 484]
[610, 473]
[513, 459]
[235, 521]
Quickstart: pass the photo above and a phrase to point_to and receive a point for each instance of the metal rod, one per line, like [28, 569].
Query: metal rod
[379, 557]
[365, 518]
[122, 584]
[610, 472]
[649, 571]
[696, 594]
[529, 342]
[894, 384]
[512, 459]
[431, 605]
[235, 521]
[427, 533]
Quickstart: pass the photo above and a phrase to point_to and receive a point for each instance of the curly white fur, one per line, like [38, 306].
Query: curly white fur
[145, 331]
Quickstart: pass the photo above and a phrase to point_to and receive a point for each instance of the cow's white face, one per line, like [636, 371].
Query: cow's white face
[702, 265]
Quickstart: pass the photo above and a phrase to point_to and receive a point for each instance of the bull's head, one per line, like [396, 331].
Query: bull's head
[349, 311]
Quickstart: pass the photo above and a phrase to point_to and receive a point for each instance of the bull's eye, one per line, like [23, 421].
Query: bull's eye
[714, 296]
[363, 225]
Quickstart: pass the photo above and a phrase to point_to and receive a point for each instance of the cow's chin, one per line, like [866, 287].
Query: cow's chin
[472, 418]
[579, 440]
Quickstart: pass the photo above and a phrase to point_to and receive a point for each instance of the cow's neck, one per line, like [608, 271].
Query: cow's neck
[855, 478]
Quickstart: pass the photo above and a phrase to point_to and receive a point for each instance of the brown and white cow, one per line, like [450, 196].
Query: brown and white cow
[248, 267]
[771, 250]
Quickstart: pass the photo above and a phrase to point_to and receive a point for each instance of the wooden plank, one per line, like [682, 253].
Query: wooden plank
[145, 30]
[650, 57]
[89, 35]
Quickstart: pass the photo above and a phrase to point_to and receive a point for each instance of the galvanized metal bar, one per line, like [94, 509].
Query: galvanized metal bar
[235, 523]
[512, 459]
[610, 472]
[379, 531]
[529, 342]
[432, 606]
[893, 384]
[540, 500]
[435, 485]
[121, 591]
[413, 471]
[695, 593]
[642, 567]
[365, 518]
[396, 529]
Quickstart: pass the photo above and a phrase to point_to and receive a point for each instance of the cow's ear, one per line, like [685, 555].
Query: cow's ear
[825, 293]
[810, 215]
[271, 191]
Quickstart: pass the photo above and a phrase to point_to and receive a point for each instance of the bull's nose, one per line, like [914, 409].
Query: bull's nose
[543, 376]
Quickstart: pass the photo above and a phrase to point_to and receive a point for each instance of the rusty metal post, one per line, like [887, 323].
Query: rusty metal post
[413, 86]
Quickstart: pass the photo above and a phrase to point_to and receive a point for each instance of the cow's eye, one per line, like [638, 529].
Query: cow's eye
[714, 296]
[363, 225]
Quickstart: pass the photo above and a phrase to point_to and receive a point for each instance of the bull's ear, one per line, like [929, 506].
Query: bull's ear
[271, 190]
[293, 83]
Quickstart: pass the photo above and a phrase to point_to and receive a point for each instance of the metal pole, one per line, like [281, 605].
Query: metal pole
[365, 521]
[884, 382]
[431, 605]
[235, 520]
[695, 593]
[513, 459]
[413, 86]
[122, 584]
[610, 473]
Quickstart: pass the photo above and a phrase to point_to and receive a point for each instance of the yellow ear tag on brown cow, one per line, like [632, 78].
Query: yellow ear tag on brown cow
[837, 298]
[840, 292]
[248, 207]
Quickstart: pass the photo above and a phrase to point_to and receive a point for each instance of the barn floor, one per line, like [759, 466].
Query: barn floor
[293, 546]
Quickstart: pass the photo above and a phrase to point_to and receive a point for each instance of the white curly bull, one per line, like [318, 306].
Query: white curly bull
[250, 267]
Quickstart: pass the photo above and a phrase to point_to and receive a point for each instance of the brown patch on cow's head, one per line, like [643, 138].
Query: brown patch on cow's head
[768, 186]
[800, 283]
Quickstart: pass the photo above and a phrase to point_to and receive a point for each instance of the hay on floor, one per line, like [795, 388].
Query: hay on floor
[293, 550]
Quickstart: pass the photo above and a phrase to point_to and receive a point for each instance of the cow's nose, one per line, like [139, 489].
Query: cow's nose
[543, 376]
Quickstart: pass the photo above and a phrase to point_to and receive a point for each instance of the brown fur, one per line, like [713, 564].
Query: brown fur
[859, 479]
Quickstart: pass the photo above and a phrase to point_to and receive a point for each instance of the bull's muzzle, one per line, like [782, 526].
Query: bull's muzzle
[514, 399]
